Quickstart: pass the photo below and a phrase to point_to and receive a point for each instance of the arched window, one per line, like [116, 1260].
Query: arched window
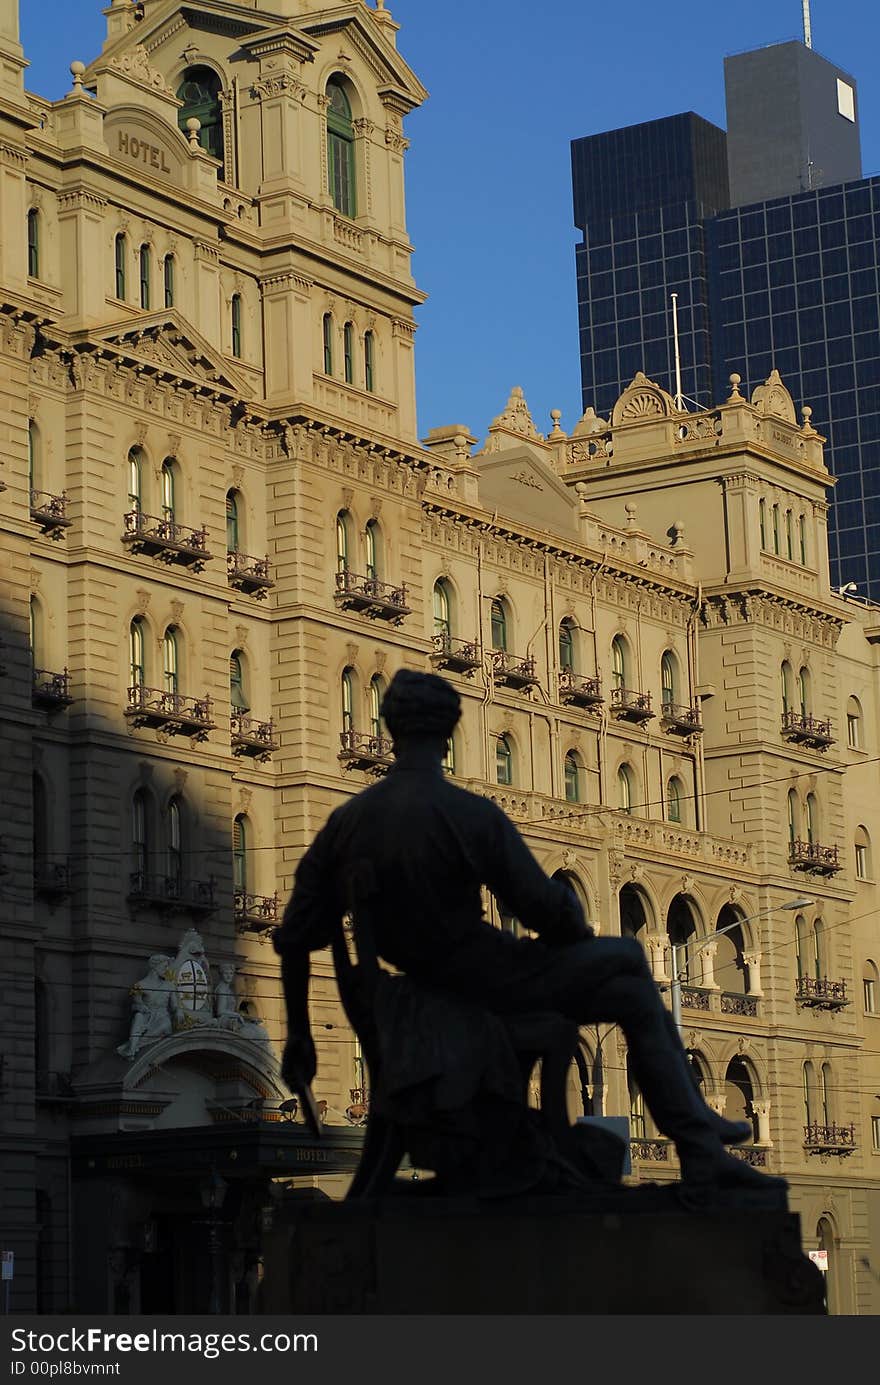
[369, 361]
[785, 685]
[120, 255]
[348, 352]
[373, 549]
[804, 691]
[235, 323]
[576, 888]
[812, 818]
[237, 695]
[826, 1241]
[340, 149]
[673, 799]
[199, 91]
[140, 828]
[136, 653]
[377, 689]
[240, 844]
[327, 338]
[170, 659]
[776, 529]
[442, 610]
[232, 534]
[681, 928]
[854, 737]
[668, 679]
[343, 532]
[34, 471]
[739, 1093]
[449, 758]
[826, 1089]
[802, 538]
[144, 264]
[789, 536]
[762, 521]
[168, 489]
[819, 949]
[135, 481]
[870, 989]
[168, 280]
[33, 243]
[619, 662]
[503, 761]
[572, 778]
[174, 844]
[625, 788]
[863, 854]
[801, 945]
[793, 816]
[348, 718]
[636, 1105]
[808, 1088]
[499, 624]
[566, 645]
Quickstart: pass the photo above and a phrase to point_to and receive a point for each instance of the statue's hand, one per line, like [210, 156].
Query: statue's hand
[299, 1062]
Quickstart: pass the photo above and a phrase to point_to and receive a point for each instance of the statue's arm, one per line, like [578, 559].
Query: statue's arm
[547, 907]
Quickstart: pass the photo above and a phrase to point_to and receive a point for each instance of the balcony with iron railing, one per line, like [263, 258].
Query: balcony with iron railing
[369, 596]
[628, 705]
[814, 859]
[50, 512]
[169, 893]
[362, 750]
[51, 691]
[809, 731]
[576, 691]
[646, 1151]
[460, 656]
[513, 671]
[680, 720]
[252, 738]
[254, 913]
[166, 540]
[735, 1003]
[253, 576]
[750, 1154]
[829, 1139]
[818, 993]
[170, 712]
[51, 878]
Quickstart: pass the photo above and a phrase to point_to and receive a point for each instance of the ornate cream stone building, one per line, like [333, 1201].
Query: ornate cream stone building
[221, 536]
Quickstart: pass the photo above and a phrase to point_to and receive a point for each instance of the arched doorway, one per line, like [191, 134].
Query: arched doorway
[739, 1093]
[731, 971]
[681, 928]
[634, 916]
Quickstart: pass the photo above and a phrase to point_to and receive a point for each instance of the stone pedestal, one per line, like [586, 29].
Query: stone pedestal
[631, 1251]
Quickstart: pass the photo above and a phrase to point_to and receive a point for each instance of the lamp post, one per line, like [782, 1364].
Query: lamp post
[213, 1193]
[675, 983]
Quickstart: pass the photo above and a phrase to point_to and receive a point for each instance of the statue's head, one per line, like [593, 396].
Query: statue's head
[159, 963]
[420, 707]
[227, 971]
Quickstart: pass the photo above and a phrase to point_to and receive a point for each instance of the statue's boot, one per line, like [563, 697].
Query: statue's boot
[729, 1132]
[664, 1076]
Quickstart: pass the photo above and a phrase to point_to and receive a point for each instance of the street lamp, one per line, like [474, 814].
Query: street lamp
[675, 983]
[213, 1192]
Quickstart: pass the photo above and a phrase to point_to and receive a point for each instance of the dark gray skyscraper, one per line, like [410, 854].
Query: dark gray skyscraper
[790, 279]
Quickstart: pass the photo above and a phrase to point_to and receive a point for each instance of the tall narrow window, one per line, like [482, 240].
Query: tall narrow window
[340, 149]
[174, 846]
[566, 646]
[503, 761]
[376, 690]
[827, 1110]
[785, 677]
[449, 758]
[812, 818]
[144, 263]
[802, 537]
[667, 679]
[327, 334]
[168, 491]
[343, 525]
[240, 855]
[348, 700]
[572, 779]
[792, 817]
[776, 529]
[33, 243]
[372, 549]
[673, 800]
[200, 93]
[120, 252]
[231, 522]
[863, 853]
[804, 691]
[819, 949]
[33, 445]
[869, 988]
[618, 662]
[800, 947]
[789, 536]
[168, 280]
[170, 653]
[235, 314]
[624, 788]
[442, 624]
[237, 695]
[854, 724]
[35, 631]
[369, 362]
[139, 844]
[348, 352]
[136, 653]
[808, 1093]
[762, 521]
[499, 625]
[134, 480]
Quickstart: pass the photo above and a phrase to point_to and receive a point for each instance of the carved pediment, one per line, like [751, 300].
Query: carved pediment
[773, 398]
[640, 401]
[166, 345]
[398, 85]
[519, 482]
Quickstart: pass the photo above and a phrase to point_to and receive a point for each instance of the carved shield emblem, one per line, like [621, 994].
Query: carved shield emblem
[193, 987]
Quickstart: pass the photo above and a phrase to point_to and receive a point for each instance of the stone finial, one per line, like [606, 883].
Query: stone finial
[589, 424]
[194, 125]
[806, 415]
[76, 71]
[516, 418]
[677, 534]
[555, 431]
[735, 382]
[630, 509]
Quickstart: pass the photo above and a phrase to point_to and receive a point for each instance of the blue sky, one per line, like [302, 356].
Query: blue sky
[511, 82]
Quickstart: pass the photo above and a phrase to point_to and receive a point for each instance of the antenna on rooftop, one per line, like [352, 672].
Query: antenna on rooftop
[808, 32]
[679, 397]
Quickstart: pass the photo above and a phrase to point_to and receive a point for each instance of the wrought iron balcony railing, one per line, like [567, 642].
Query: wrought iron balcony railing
[51, 878]
[512, 671]
[628, 705]
[359, 750]
[743, 1005]
[50, 512]
[813, 858]
[579, 692]
[51, 691]
[252, 738]
[462, 656]
[694, 998]
[680, 720]
[253, 576]
[807, 730]
[255, 913]
[650, 1151]
[171, 892]
[379, 600]
[166, 540]
[820, 993]
[750, 1154]
[171, 712]
[829, 1139]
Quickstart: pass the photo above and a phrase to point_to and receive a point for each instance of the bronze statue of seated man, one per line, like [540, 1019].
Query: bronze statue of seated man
[431, 846]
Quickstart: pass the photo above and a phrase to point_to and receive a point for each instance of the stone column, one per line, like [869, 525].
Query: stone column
[753, 962]
[762, 1111]
[706, 955]
[656, 946]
